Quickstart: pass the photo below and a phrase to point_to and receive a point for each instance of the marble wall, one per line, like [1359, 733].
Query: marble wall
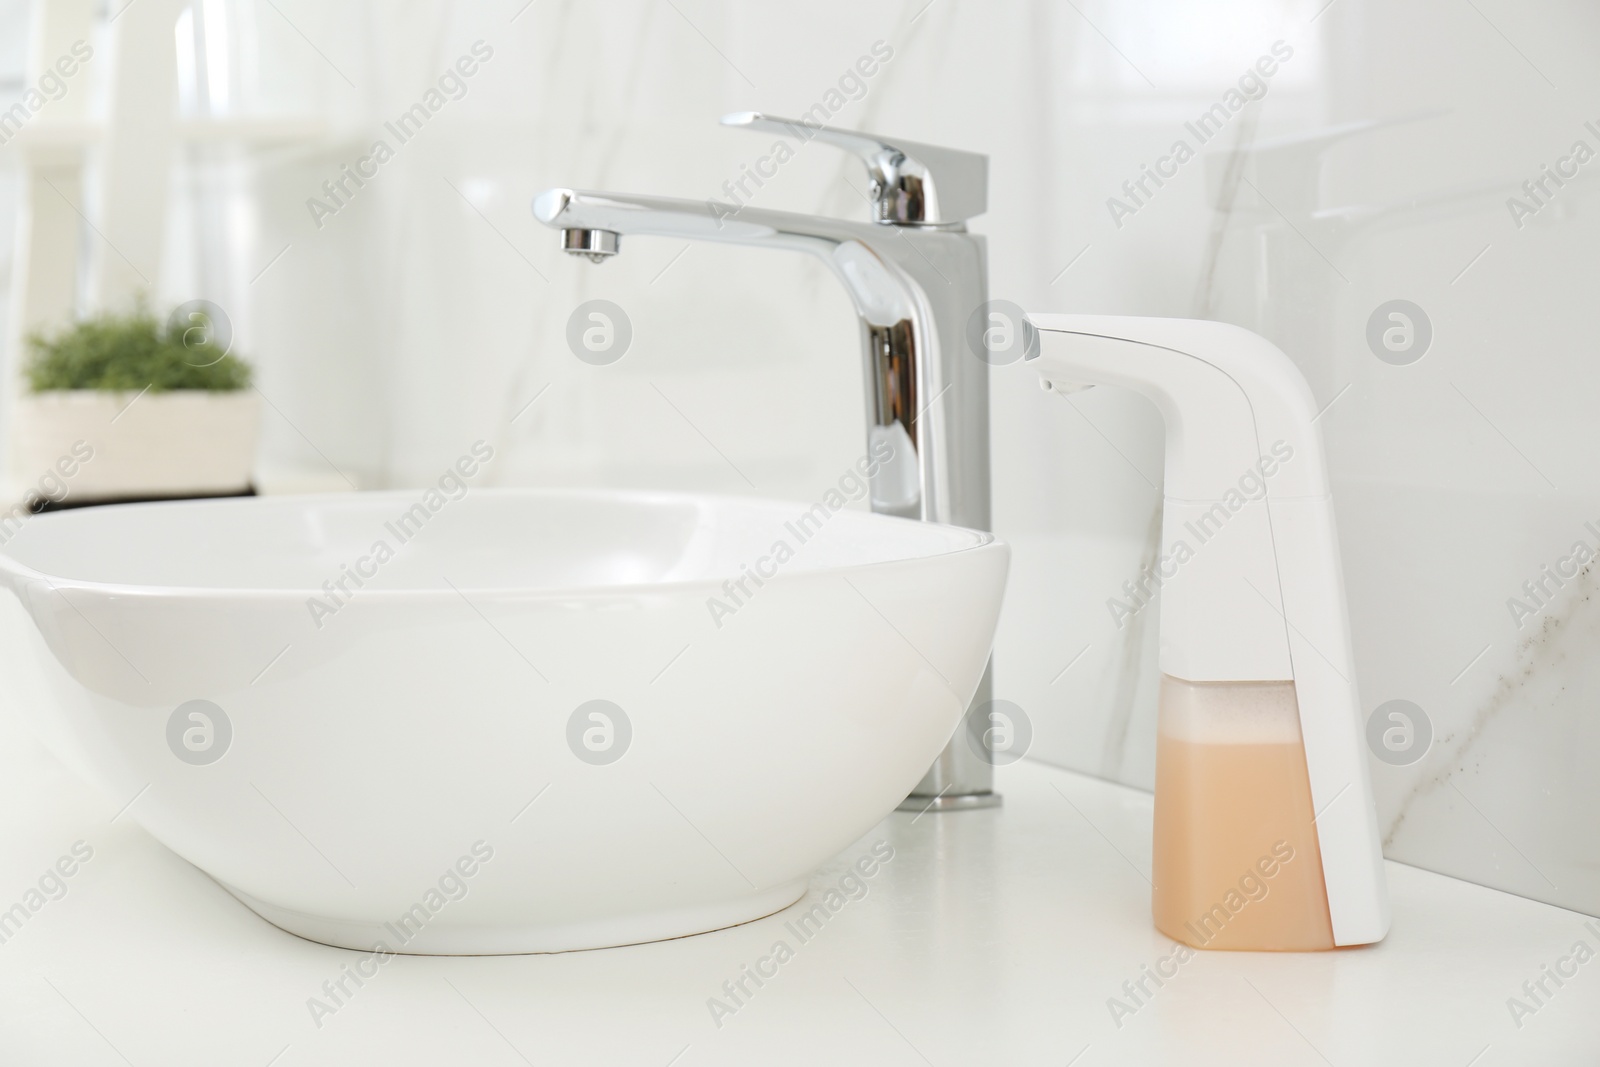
[1374, 165]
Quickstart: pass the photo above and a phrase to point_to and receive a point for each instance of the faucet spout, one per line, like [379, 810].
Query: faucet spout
[917, 283]
[629, 214]
[913, 292]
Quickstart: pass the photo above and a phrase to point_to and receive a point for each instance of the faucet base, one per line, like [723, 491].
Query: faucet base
[962, 802]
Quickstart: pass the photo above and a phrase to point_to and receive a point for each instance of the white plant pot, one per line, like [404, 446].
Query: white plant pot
[188, 442]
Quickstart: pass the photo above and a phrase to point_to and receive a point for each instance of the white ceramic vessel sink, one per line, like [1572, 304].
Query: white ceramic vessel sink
[417, 764]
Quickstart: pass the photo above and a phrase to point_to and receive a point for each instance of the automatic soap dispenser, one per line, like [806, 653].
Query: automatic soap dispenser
[1265, 831]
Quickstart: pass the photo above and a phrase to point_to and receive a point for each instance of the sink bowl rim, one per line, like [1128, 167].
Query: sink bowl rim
[16, 573]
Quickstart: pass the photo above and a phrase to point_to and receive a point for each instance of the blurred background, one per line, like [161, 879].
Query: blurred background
[197, 151]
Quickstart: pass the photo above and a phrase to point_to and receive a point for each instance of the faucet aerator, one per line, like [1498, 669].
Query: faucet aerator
[598, 245]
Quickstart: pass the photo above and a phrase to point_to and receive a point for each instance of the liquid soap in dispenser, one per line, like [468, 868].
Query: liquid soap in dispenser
[1265, 833]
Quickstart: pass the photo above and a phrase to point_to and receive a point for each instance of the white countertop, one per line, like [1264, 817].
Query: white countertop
[994, 937]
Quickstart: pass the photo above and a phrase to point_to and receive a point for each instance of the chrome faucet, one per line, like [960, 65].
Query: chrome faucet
[917, 279]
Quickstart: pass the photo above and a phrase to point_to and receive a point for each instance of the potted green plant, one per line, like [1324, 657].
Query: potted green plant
[163, 408]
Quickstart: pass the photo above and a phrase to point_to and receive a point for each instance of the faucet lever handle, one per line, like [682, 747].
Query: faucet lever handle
[913, 184]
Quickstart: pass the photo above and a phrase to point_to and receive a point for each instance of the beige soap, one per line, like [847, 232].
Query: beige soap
[1236, 863]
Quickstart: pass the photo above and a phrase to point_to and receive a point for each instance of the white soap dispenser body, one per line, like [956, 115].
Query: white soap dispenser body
[1266, 835]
